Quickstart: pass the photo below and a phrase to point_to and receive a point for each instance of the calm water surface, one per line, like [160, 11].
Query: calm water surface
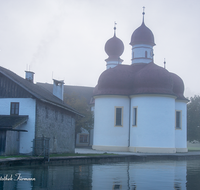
[137, 175]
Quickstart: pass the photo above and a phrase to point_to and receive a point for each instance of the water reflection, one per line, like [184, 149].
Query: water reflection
[178, 175]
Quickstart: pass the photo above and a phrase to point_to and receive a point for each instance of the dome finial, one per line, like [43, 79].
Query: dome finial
[115, 28]
[143, 13]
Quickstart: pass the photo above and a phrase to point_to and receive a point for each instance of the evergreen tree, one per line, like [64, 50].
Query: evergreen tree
[80, 104]
[193, 119]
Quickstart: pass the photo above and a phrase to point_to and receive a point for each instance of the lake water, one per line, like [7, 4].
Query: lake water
[134, 175]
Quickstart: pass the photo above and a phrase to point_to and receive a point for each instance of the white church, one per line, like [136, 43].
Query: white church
[139, 107]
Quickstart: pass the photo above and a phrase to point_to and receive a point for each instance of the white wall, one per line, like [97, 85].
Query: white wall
[155, 122]
[181, 134]
[27, 106]
[139, 53]
[105, 132]
[111, 64]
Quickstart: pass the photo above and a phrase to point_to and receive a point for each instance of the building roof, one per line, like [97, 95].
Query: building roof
[11, 122]
[142, 35]
[137, 79]
[114, 48]
[36, 91]
[80, 91]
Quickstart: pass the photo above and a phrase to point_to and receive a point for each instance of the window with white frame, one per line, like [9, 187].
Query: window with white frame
[119, 116]
[178, 119]
[134, 117]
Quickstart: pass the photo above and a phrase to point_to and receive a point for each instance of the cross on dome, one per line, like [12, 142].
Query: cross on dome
[115, 28]
[143, 13]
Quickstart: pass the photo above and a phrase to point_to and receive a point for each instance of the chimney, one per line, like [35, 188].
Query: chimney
[29, 76]
[58, 88]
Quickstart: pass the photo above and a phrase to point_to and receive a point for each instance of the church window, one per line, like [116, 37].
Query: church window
[178, 120]
[118, 116]
[145, 54]
[14, 108]
[134, 116]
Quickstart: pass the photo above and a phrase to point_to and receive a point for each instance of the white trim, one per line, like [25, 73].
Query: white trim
[110, 96]
[153, 95]
[181, 150]
[152, 150]
[139, 149]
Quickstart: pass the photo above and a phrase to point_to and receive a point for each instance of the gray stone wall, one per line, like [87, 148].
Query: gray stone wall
[58, 125]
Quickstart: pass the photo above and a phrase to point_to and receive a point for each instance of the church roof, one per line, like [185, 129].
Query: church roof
[114, 48]
[140, 79]
[142, 35]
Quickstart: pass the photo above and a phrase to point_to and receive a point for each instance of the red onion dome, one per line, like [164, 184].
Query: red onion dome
[114, 48]
[142, 35]
[178, 86]
[153, 79]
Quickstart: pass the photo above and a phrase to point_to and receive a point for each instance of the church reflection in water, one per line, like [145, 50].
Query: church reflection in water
[169, 174]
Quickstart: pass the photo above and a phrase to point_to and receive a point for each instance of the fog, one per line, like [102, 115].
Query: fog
[65, 39]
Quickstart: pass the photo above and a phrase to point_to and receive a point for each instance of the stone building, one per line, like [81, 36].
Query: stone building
[85, 138]
[29, 112]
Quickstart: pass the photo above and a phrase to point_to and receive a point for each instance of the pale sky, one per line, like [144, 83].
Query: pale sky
[66, 38]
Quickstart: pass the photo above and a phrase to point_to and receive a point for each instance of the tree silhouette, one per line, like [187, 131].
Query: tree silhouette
[193, 118]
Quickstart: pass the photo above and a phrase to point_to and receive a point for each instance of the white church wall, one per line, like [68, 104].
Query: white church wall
[155, 124]
[181, 134]
[27, 106]
[111, 64]
[138, 53]
[106, 134]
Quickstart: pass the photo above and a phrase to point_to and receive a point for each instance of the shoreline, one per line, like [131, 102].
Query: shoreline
[102, 158]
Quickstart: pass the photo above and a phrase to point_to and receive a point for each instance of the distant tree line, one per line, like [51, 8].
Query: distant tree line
[193, 119]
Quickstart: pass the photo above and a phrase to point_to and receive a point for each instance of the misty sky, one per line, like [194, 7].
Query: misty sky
[65, 38]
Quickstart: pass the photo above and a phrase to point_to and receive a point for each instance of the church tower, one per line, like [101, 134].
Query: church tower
[142, 42]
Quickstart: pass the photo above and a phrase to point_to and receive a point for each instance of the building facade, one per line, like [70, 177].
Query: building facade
[139, 107]
[29, 112]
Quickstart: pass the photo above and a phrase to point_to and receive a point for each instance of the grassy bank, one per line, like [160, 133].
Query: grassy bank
[193, 148]
[55, 155]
